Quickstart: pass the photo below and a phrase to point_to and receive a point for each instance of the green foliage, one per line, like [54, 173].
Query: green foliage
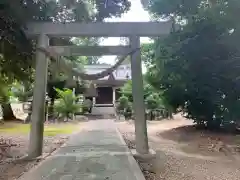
[123, 102]
[3, 92]
[16, 50]
[49, 129]
[147, 53]
[154, 99]
[197, 67]
[92, 41]
[180, 8]
[151, 105]
[22, 91]
[157, 107]
[52, 86]
[128, 112]
[124, 107]
[153, 102]
[126, 90]
[66, 105]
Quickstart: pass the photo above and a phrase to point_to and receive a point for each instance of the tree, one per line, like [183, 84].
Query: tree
[196, 67]
[126, 90]
[152, 103]
[15, 46]
[4, 100]
[16, 50]
[157, 106]
[147, 53]
[15, 15]
[124, 107]
[154, 99]
[92, 41]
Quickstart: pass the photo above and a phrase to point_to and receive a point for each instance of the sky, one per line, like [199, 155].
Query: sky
[135, 14]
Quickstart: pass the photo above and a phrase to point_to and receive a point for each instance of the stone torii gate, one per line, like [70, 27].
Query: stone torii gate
[132, 30]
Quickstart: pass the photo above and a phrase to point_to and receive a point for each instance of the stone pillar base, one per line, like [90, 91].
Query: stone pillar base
[151, 154]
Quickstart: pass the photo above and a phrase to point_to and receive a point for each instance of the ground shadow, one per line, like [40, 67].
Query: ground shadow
[192, 139]
[191, 133]
[181, 134]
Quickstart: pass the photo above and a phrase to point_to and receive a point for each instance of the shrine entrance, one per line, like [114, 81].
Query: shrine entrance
[104, 96]
[133, 31]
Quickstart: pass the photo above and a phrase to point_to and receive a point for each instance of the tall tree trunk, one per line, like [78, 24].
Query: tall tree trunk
[7, 112]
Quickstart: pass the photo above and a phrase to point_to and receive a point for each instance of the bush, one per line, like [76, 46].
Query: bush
[152, 102]
[66, 105]
[155, 106]
[124, 107]
[123, 102]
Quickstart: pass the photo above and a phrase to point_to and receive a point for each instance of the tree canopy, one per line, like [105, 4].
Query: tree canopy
[197, 66]
[17, 49]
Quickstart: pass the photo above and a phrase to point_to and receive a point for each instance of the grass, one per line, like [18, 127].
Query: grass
[49, 129]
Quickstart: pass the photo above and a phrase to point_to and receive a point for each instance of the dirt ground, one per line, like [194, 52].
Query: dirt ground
[184, 153]
[11, 169]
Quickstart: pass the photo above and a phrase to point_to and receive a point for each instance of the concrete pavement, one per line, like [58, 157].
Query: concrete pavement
[98, 152]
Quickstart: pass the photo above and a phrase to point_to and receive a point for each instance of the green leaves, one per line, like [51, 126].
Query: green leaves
[92, 41]
[66, 105]
[22, 91]
[113, 8]
[17, 51]
[153, 102]
[197, 67]
[165, 9]
[124, 107]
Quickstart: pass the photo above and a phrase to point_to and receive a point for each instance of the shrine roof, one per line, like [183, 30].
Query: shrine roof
[123, 72]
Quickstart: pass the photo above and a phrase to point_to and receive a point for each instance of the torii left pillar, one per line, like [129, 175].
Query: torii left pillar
[39, 97]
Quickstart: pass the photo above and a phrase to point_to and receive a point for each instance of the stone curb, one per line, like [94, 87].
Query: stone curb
[132, 162]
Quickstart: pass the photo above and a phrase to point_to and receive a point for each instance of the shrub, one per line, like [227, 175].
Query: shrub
[124, 107]
[154, 104]
[66, 105]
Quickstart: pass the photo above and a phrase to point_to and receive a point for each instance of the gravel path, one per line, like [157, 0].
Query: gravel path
[173, 162]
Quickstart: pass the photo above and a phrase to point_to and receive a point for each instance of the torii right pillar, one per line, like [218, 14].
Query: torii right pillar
[141, 136]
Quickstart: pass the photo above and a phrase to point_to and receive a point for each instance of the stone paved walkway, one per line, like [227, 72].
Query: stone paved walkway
[98, 152]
